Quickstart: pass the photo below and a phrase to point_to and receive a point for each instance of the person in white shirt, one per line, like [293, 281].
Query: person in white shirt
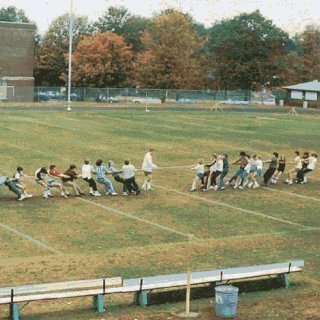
[252, 181]
[128, 174]
[216, 170]
[198, 179]
[19, 177]
[310, 166]
[86, 174]
[297, 167]
[147, 167]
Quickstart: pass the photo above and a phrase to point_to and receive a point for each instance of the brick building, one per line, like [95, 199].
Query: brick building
[16, 61]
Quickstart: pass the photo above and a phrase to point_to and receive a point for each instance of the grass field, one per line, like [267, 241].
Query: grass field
[87, 238]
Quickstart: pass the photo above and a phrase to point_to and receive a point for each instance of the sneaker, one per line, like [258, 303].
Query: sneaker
[215, 188]
[211, 188]
[240, 187]
[28, 195]
[250, 185]
[256, 185]
[125, 193]
[113, 194]
[97, 194]
[22, 197]
[222, 189]
[63, 195]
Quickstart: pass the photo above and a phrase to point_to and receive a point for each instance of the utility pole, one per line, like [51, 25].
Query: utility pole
[70, 54]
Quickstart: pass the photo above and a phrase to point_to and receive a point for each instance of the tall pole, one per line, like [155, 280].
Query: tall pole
[70, 54]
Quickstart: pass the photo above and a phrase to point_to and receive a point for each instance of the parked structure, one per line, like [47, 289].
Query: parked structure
[304, 94]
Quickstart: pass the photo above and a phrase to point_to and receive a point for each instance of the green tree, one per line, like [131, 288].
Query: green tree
[246, 51]
[51, 62]
[120, 21]
[12, 14]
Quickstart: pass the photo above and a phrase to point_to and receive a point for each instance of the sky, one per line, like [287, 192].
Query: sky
[290, 15]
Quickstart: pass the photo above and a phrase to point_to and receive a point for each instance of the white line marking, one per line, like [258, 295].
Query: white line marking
[29, 238]
[130, 216]
[292, 194]
[223, 204]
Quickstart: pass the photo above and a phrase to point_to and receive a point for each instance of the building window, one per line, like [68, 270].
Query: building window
[311, 96]
[296, 95]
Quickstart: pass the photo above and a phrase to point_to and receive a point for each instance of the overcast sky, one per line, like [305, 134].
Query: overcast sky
[291, 15]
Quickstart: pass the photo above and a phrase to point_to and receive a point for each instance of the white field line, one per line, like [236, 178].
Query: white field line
[145, 221]
[223, 204]
[29, 238]
[293, 194]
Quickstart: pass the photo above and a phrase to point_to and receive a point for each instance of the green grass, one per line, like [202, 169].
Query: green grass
[95, 242]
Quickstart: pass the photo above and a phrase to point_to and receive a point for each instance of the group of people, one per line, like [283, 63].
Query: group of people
[52, 178]
[212, 175]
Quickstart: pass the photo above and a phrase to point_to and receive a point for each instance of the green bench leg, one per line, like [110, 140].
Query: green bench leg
[141, 298]
[14, 311]
[286, 281]
[98, 303]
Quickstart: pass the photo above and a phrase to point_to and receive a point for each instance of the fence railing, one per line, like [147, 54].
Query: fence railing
[135, 95]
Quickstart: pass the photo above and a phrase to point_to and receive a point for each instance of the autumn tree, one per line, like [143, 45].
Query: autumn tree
[246, 51]
[102, 60]
[171, 58]
[120, 21]
[51, 62]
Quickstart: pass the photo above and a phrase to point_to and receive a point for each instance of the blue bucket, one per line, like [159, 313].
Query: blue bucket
[226, 301]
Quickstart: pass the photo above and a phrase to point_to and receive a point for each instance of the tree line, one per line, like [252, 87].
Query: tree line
[172, 50]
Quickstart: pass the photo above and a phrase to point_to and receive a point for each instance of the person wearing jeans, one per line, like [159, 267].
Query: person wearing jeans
[12, 185]
[101, 171]
[224, 172]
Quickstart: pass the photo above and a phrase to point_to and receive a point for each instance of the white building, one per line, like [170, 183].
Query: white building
[299, 93]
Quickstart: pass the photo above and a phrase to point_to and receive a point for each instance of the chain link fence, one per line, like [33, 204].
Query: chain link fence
[141, 96]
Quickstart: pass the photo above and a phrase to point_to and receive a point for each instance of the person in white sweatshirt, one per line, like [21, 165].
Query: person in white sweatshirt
[147, 167]
[86, 174]
[198, 179]
[128, 174]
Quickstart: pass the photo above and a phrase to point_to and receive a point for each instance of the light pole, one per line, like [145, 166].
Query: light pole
[70, 54]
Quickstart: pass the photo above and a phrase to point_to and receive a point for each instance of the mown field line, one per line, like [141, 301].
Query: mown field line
[224, 204]
[145, 221]
[292, 194]
[29, 238]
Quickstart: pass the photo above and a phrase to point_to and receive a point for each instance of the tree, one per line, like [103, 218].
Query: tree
[120, 21]
[102, 60]
[171, 58]
[246, 51]
[51, 62]
[309, 49]
[12, 14]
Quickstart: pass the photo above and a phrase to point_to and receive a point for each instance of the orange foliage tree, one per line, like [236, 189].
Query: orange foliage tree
[101, 60]
[172, 54]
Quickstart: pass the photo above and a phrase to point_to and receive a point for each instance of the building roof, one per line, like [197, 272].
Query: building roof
[18, 25]
[306, 86]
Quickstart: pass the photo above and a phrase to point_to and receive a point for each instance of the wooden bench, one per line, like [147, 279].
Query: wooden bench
[141, 287]
[95, 288]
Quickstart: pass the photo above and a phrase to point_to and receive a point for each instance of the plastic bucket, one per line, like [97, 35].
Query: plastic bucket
[226, 301]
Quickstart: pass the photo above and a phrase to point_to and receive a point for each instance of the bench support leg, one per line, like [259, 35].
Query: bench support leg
[286, 281]
[14, 311]
[98, 303]
[141, 298]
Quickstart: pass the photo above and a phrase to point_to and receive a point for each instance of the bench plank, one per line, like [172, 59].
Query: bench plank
[60, 286]
[116, 285]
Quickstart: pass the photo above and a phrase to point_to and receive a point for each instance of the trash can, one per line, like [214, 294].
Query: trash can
[226, 301]
[305, 104]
